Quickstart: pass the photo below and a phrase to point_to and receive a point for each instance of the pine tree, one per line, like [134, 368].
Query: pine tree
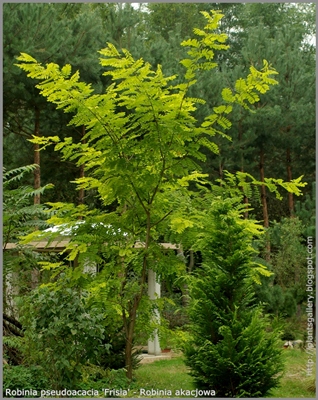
[68, 34]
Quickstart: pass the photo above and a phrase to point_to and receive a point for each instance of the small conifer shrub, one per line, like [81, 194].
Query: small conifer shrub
[233, 349]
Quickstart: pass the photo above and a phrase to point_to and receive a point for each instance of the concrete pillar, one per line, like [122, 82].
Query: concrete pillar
[154, 293]
[10, 291]
[90, 267]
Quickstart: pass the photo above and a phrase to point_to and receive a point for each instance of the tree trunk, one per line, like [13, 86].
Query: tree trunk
[240, 137]
[81, 193]
[37, 173]
[130, 337]
[130, 322]
[263, 190]
[128, 37]
[12, 325]
[185, 289]
[245, 200]
[264, 204]
[289, 178]
[37, 183]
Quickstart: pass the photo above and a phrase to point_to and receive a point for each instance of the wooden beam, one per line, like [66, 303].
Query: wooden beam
[59, 245]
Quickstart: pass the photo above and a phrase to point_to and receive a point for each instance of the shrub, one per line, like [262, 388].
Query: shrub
[97, 378]
[61, 334]
[23, 377]
[174, 311]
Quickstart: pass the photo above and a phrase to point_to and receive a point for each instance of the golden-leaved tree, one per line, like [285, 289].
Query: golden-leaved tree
[140, 152]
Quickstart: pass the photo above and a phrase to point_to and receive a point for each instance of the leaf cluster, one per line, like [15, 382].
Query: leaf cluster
[19, 215]
[23, 377]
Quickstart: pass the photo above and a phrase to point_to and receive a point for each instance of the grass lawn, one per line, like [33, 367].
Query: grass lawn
[294, 382]
[173, 375]
[163, 375]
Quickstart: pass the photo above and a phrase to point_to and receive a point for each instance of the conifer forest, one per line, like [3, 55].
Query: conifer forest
[159, 199]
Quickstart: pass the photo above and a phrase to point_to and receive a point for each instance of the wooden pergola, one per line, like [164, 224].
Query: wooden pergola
[154, 287]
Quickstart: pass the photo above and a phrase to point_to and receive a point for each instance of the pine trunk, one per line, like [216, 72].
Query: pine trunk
[289, 178]
[246, 206]
[81, 193]
[264, 204]
[263, 190]
[245, 201]
[240, 137]
[35, 274]
[221, 170]
[37, 173]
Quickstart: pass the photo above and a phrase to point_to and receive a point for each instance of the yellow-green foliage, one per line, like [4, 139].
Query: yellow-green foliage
[142, 139]
[149, 147]
[141, 150]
